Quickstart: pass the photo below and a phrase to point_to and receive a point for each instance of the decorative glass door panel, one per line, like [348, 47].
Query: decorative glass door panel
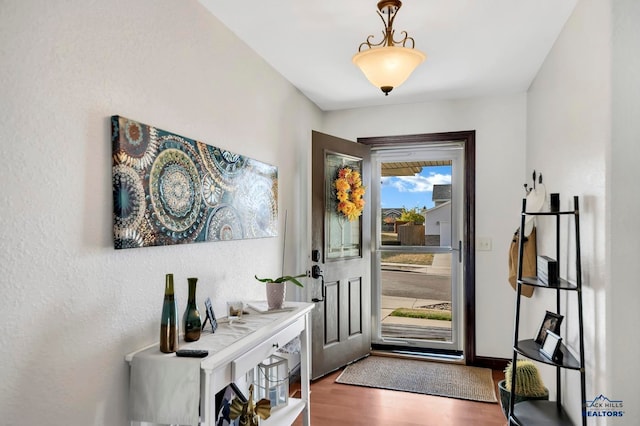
[343, 207]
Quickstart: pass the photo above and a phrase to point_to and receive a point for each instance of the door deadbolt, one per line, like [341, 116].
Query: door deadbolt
[316, 272]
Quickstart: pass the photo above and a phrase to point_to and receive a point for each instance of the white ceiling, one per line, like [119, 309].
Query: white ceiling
[473, 47]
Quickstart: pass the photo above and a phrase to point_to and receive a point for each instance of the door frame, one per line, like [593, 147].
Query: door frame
[451, 348]
[468, 138]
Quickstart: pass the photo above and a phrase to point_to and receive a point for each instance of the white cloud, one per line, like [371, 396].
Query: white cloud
[417, 183]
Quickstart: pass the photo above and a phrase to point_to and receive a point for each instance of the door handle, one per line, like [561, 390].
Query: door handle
[316, 273]
[459, 250]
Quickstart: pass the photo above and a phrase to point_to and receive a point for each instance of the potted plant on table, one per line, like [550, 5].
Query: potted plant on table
[529, 384]
[276, 288]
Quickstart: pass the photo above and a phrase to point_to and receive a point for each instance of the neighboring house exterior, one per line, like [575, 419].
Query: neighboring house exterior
[441, 194]
[389, 217]
[437, 225]
[437, 219]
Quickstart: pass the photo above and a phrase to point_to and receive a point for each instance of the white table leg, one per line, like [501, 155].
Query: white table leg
[305, 367]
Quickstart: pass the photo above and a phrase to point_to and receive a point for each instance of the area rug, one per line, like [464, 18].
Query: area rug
[430, 378]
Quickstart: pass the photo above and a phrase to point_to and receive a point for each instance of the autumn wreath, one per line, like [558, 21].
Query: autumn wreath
[349, 192]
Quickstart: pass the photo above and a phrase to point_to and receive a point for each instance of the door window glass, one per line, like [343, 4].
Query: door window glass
[417, 198]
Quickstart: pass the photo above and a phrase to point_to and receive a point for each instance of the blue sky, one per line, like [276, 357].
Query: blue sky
[413, 191]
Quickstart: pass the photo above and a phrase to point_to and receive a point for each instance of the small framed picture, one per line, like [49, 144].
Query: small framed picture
[551, 346]
[551, 322]
[211, 316]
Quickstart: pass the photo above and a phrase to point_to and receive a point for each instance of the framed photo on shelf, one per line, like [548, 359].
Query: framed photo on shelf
[551, 322]
[551, 346]
[211, 316]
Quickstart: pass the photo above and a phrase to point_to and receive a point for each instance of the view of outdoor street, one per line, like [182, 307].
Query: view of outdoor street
[416, 299]
[415, 283]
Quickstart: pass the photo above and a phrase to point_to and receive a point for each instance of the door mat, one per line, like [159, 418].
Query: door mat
[430, 378]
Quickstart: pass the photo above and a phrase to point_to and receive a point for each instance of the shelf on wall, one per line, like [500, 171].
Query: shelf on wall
[549, 213]
[539, 412]
[549, 412]
[562, 283]
[531, 349]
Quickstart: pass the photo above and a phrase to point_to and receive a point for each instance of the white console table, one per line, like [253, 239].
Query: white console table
[234, 349]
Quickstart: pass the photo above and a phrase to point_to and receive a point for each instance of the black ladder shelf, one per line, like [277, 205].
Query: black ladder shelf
[541, 412]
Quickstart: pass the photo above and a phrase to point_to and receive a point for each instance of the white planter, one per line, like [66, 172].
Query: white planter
[275, 295]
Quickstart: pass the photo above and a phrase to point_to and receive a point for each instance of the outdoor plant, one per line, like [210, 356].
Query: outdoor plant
[434, 314]
[412, 215]
[283, 279]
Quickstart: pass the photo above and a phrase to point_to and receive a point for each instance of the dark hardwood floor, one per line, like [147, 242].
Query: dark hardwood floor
[338, 404]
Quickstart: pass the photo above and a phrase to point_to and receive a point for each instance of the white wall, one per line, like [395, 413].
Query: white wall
[500, 128]
[72, 307]
[623, 345]
[569, 141]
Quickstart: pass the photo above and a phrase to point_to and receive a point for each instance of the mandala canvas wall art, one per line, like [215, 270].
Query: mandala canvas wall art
[169, 189]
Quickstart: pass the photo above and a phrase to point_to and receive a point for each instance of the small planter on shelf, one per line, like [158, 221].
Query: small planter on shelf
[276, 289]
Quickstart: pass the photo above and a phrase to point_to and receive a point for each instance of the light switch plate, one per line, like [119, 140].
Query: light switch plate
[483, 244]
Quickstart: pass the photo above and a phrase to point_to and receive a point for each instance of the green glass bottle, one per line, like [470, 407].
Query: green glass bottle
[169, 320]
[191, 319]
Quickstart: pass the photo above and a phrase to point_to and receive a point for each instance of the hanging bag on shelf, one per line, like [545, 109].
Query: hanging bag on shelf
[528, 260]
[534, 201]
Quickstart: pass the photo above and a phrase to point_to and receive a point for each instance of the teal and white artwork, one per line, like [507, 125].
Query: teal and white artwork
[169, 189]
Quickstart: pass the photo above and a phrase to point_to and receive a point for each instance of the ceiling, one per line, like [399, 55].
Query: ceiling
[473, 47]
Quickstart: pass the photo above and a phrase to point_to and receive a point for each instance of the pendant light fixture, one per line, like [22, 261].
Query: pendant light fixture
[389, 63]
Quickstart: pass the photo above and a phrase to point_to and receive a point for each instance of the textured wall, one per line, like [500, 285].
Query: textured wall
[72, 307]
[568, 140]
[623, 369]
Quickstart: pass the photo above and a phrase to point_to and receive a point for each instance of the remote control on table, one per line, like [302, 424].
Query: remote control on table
[192, 353]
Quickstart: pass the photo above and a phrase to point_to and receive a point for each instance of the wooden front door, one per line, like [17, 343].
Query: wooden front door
[341, 325]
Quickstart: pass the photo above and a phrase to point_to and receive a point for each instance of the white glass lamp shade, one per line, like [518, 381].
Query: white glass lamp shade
[388, 67]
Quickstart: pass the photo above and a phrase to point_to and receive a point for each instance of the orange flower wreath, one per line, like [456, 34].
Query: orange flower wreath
[349, 192]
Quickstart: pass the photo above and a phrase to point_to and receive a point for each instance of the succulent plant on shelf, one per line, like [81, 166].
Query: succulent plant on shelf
[528, 380]
[529, 385]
